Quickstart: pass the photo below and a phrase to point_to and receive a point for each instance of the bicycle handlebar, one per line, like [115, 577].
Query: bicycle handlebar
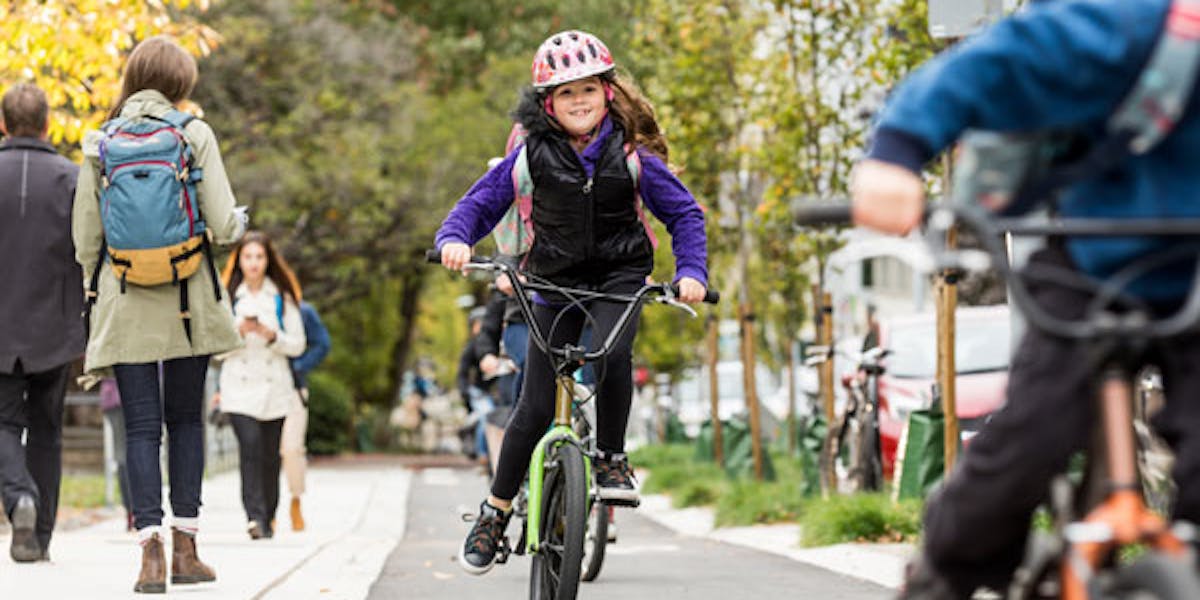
[662, 293]
[1099, 323]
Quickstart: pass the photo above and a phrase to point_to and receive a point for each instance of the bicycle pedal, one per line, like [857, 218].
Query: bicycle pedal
[503, 552]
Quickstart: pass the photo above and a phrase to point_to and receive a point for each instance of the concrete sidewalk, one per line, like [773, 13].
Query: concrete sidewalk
[355, 514]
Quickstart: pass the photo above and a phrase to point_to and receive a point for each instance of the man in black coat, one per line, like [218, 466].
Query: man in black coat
[41, 327]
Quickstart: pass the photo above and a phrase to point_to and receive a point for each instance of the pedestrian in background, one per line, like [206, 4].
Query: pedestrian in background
[257, 389]
[41, 327]
[295, 424]
[136, 327]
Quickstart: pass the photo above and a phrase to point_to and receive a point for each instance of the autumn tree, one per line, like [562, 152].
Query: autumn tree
[74, 49]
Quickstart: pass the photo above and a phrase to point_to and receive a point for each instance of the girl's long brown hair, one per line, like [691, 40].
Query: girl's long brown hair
[278, 270]
[636, 115]
[157, 63]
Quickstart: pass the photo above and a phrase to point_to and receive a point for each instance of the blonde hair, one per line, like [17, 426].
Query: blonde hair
[158, 63]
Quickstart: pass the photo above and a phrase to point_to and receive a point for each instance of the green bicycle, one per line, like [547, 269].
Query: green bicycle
[558, 496]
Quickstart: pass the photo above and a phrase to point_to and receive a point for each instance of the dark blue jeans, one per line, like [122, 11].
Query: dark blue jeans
[179, 403]
[516, 345]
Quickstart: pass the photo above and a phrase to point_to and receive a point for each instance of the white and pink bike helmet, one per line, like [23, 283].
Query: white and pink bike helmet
[569, 56]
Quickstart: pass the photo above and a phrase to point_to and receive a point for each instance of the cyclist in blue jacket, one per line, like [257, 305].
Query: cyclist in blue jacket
[1065, 64]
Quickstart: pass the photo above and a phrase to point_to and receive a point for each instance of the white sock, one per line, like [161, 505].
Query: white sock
[144, 534]
[188, 525]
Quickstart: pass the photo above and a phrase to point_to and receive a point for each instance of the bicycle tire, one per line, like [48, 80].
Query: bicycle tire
[595, 541]
[1154, 577]
[554, 573]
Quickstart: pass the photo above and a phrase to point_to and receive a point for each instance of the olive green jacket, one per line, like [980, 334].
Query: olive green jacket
[143, 324]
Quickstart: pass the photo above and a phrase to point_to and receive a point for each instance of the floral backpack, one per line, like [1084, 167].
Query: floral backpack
[514, 233]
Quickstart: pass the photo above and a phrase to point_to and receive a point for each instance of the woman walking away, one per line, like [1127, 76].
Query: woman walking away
[257, 388]
[586, 127]
[154, 294]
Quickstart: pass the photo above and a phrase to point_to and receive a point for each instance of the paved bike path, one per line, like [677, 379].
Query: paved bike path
[649, 561]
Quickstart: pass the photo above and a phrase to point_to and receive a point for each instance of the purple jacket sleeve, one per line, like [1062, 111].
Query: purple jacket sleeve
[480, 210]
[670, 202]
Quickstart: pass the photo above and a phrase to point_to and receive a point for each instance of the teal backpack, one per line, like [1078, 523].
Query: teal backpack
[514, 233]
[154, 233]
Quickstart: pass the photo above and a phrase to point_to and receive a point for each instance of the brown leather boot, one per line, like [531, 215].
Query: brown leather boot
[185, 564]
[153, 578]
[297, 516]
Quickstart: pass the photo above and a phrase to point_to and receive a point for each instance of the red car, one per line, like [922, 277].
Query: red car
[981, 355]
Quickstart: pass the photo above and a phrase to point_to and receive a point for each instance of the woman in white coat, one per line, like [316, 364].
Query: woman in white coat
[257, 390]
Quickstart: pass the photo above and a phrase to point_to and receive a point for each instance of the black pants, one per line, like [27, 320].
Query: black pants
[259, 462]
[535, 410]
[976, 526]
[33, 403]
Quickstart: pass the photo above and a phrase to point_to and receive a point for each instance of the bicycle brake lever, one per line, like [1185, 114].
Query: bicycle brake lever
[677, 304]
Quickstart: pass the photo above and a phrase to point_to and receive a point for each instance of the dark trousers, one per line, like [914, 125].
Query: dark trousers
[976, 526]
[259, 462]
[179, 402]
[32, 403]
[535, 409]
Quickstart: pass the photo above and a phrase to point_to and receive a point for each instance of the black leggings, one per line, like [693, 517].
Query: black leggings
[259, 461]
[535, 410]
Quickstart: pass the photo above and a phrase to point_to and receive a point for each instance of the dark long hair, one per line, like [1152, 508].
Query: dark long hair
[278, 270]
[157, 63]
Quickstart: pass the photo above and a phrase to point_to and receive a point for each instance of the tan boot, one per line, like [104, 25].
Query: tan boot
[185, 564]
[297, 516]
[153, 577]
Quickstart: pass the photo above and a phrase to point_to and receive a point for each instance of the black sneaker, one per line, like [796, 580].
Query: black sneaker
[25, 547]
[485, 540]
[615, 481]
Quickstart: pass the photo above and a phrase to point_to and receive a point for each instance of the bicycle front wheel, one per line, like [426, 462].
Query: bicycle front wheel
[558, 561]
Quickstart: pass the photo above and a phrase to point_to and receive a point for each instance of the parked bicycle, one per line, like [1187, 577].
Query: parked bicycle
[1105, 516]
[559, 493]
[850, 451]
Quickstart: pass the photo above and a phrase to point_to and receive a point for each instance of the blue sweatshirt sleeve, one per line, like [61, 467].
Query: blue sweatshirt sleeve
[1058, 64]
[670, 202]
[318, 341]
[480, 210]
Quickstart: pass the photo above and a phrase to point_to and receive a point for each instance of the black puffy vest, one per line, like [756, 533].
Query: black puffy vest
[585, 232]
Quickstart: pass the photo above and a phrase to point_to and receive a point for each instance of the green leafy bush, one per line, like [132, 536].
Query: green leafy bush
[749, 502]
[859, 518]
[330, 406]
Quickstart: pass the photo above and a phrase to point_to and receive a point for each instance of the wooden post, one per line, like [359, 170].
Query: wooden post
[750, 389]
[823, 314]
[827, 367]
[947, 298]
[791, 391]
[714, 398]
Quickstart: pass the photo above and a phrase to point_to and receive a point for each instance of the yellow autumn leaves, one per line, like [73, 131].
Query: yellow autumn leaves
[74, 49]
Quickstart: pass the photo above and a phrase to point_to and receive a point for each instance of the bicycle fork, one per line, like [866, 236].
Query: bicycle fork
[560, 433]
[1122, 518]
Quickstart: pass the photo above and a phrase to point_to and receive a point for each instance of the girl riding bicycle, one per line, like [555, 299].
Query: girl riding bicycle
[582, 121]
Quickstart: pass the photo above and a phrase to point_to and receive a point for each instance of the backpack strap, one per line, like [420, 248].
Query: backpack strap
[1163, 88]
[523, 192]
[279, 310]
[633, 162]
[1146, 116]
